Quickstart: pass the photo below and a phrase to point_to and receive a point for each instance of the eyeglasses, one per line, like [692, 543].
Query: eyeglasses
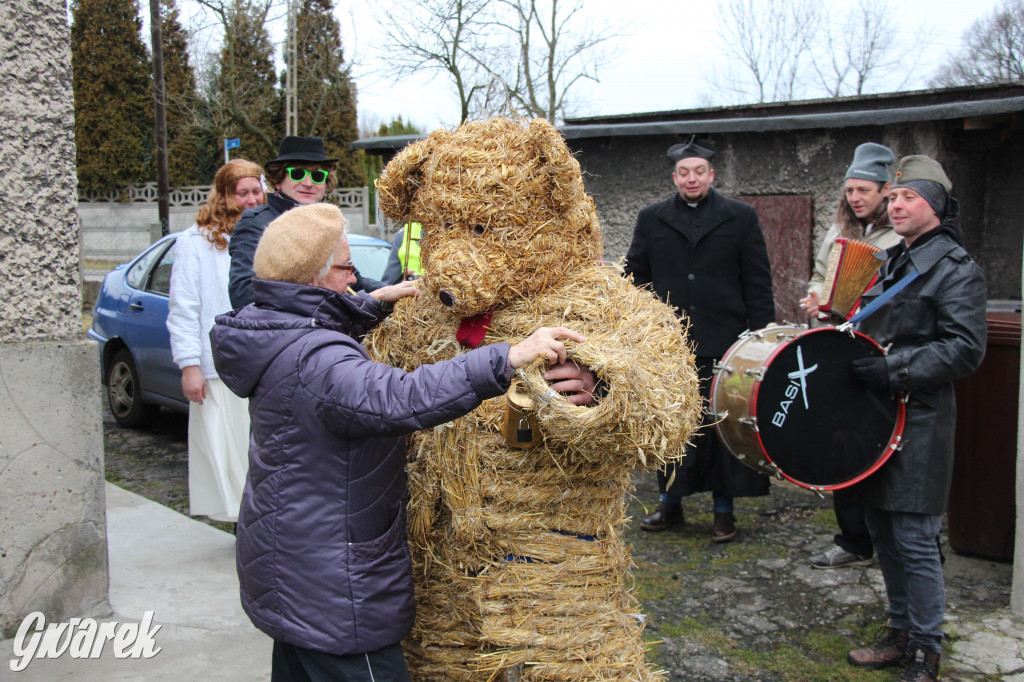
[347, 267]
[318, 176]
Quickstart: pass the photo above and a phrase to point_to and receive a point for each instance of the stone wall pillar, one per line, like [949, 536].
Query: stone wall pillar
[1017, 593]
[53, 555]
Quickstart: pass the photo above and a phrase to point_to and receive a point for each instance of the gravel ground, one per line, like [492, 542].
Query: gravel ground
[752, 609]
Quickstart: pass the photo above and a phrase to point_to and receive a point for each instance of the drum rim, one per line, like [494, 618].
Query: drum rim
[894, 439]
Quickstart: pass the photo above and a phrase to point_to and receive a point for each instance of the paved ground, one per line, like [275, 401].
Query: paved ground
[181, 570]
[748, 610]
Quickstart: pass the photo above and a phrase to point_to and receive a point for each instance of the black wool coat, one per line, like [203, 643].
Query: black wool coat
[710, 262]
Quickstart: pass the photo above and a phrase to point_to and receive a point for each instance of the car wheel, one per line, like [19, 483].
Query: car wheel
[125, 395]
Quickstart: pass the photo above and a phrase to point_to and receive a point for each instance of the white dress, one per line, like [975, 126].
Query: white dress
[218, 430]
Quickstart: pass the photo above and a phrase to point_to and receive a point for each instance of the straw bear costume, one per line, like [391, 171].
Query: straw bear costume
[520, 567]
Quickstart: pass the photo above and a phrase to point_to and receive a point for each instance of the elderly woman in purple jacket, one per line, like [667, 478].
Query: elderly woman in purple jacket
[321, 551]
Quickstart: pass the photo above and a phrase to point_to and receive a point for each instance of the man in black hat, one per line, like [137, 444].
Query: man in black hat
[929, 311]
[704, 254]
[302, 174]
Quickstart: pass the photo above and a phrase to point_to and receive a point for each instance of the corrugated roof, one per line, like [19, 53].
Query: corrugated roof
[863, 110]
[797, 121]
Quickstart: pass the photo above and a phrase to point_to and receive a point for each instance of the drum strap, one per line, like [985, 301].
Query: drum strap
[884, 298]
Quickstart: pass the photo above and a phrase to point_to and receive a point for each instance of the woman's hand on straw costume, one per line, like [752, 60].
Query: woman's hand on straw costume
[546, 343]
[390, 294]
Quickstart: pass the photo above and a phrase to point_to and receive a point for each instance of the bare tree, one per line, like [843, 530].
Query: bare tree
[849, 57]
[241, 92]
[505, 56]
[440, 35]
[769, 42]
[992, 49]
[557, 46]
[788, 49]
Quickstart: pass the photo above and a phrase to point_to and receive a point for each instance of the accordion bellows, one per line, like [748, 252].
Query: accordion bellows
[852, 268]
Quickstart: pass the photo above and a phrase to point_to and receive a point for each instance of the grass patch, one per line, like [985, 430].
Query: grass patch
[97, 264]
[747, 554]
[658, 582]
[793, 664]
[705, 636]
[823, 659]
[823, 518]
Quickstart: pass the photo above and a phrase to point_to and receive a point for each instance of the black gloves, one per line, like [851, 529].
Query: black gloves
[872, 372]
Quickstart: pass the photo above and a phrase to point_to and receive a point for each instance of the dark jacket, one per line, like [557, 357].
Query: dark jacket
[710, 262]
[937, 329]
[242, 247]
[321, 549]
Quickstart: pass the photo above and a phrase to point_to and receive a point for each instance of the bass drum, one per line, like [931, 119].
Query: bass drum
[788, 404]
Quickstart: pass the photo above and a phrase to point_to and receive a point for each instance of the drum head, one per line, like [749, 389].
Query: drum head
[817, 422]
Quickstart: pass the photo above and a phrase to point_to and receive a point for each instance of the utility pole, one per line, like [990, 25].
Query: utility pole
[291, 50]
[160, 115]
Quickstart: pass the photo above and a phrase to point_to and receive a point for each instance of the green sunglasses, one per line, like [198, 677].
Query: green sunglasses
[318, 177]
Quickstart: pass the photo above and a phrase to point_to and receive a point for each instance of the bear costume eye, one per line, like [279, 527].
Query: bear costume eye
[478, 230]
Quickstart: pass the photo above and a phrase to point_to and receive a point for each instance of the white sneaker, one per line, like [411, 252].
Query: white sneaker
[837, 557]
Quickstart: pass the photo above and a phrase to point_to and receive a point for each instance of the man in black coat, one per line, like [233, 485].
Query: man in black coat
[704, 254]
[301, 174]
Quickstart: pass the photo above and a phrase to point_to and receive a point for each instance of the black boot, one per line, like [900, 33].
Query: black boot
[920, 666]
[668, 514]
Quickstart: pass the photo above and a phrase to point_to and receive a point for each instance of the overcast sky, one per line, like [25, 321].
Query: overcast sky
[664, 56]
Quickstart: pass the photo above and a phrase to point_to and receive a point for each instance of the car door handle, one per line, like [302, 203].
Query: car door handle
[136, 306]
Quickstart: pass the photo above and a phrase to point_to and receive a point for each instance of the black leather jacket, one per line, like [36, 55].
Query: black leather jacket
[242, 247]
[937, 329]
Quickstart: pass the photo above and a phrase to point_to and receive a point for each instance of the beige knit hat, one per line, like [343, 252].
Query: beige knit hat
[297, 244]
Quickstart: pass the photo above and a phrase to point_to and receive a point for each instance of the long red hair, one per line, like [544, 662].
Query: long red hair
[217, 217]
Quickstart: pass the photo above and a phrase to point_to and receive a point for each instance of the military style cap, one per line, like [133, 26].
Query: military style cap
[925, 176]
[918, 167]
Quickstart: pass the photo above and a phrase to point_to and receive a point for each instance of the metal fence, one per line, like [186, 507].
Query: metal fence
[118, 224]
[195, 195]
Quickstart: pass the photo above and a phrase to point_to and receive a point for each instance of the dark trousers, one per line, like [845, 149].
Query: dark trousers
[295, 664]
[708, 465]
[853, 533]
[912, 569]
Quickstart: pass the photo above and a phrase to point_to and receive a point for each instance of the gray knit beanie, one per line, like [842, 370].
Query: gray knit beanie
[869, 161]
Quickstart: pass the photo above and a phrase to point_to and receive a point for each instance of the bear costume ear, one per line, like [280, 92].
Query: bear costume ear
[403, 177]
[565, 180]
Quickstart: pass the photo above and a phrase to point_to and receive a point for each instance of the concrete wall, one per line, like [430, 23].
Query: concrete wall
[52, 525]
[112, 231]
[626, 173]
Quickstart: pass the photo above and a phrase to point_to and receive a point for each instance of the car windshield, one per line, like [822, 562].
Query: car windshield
[370, 259]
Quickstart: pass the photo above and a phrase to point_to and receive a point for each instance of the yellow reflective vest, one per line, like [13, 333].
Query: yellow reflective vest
[409, 251]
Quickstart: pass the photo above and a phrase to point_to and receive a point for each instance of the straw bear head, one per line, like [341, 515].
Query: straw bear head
[503, 209]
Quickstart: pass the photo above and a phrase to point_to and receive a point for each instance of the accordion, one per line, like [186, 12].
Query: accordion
[852, 268]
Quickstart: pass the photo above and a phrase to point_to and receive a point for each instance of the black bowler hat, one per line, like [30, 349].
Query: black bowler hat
[295, 148]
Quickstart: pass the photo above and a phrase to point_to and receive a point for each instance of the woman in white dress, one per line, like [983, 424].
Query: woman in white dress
[218, 420]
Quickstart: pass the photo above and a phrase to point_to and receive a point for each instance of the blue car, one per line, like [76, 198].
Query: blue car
[130, 323]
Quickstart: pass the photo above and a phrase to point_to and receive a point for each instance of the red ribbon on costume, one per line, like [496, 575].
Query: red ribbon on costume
[473, 329]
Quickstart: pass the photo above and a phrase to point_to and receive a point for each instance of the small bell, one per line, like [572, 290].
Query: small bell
[520, 426]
